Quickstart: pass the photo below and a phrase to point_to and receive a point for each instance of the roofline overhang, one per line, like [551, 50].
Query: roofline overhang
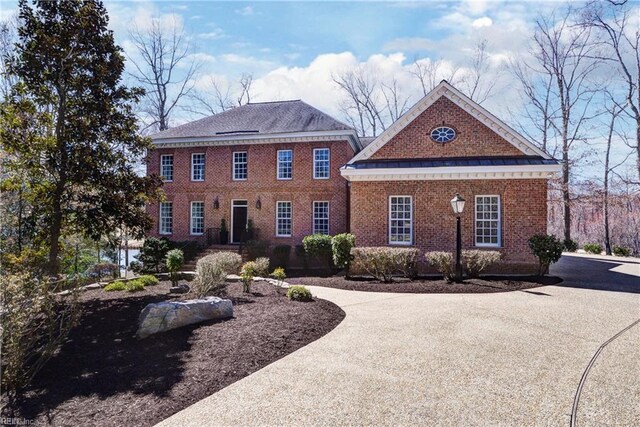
[451, 172]
[250, 139]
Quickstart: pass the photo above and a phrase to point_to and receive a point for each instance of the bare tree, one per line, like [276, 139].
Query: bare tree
[221, 96]
[7, 40]
[162, 53]
[246, 80]
[396, 104]
[479, 85]
[362, 105]
[567, 54]
[619, 31]
[429, 73]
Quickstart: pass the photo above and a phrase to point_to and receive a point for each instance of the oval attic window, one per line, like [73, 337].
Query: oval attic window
[443, 134]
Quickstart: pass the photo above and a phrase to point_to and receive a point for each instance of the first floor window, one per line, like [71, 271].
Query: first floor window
[285, 164]
[321, 161]
[284, 215]
[320, 217]
[240, 165]
[166, 167]
[197, 167]
[166, 218]
[197, 217]
[400, 220]
[488, 221]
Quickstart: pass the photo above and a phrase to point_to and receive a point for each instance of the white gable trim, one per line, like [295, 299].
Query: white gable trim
[462, 101]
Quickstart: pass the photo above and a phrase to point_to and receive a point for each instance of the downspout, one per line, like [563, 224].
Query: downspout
[348, 206]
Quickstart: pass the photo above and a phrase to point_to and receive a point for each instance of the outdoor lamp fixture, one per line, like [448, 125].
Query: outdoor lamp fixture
[457, 204]
[258, 203]
[216, 203]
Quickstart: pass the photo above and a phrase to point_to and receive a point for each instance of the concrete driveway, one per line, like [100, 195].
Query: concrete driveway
[514, 358]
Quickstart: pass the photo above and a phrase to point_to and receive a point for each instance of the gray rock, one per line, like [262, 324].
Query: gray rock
[93, 286]
[168, 315]
[180, 289]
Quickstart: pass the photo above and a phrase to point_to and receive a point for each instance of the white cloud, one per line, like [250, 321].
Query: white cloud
[217, 33]
[245, 11]
[485, 21]
[409, 44]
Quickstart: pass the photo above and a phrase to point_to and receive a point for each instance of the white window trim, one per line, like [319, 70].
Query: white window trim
[409, 243]
[162, 156]
[193, 169]
[291, 204]
[191, 233]
[164, 233]
[314, 163]
[233, 165]
[475, 223]
[313, 216]
[278, 165]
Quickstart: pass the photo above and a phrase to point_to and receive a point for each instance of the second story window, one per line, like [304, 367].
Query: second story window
[239, 165]
[285, 164]
[166, 167]
[197, 167]
[321, 163]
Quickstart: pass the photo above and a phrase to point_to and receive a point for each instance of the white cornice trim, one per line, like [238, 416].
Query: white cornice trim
[251, 139]
[451, 172]
[462, 101]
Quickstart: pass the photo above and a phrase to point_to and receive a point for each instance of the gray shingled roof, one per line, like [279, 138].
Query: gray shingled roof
[256, 119]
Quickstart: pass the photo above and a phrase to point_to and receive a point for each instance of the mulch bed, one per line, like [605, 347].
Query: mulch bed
[486, 284]
[104, 376]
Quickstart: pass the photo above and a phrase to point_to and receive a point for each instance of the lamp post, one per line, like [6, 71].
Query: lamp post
[457, 204]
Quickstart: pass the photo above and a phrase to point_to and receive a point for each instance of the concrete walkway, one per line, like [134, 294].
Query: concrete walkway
[494, 359]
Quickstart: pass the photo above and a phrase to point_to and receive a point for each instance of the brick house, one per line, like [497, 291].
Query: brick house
[293, 170]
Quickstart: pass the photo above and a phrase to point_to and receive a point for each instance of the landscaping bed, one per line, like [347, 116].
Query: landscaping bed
[104, 376]
[487, 284]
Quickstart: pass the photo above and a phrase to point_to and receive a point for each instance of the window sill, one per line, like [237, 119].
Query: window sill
[319, 179]
[400, 243]
[165, 234]
[239, 179]
[196, 234]
[197, 180]
[284, 179]
[488, 246]
[283, 235]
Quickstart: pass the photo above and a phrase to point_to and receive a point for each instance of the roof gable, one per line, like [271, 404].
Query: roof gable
[445, 90]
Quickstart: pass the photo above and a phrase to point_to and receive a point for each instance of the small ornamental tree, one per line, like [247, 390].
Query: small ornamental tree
[175, 260]
[548, 249]
[153, 254]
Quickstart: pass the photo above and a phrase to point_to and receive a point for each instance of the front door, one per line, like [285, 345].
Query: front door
[238, 220]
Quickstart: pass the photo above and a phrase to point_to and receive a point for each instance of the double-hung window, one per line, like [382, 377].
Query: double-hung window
[285, 164]
[400, 220]
[197, 218]
[488, 221]
[320, 217]
[321, 163]
[197, 167]
[239, 165]
[284, 215]
[166, 218]
[166, 167]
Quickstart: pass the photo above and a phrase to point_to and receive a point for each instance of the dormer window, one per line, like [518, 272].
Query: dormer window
[443, 134]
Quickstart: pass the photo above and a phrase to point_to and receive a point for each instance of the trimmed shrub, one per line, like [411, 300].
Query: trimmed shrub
[547, 248]
[299, 293]
[443, 262]
[592, 248]
[621, 251]
[281, 254]
[257, 249]
[476, 261]
[148, 280]
[383, 262]
[175, 260]
[341, 245]
[103, 269]
[212, 271]
[118, 285]
[153, 254]
[570, 245]
[262, 266]
[247, 272]
[134, 285]
[190, 248]
[279, 274]
[319, 246]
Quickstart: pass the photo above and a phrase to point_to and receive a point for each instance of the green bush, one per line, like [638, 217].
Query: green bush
[247, 272]
[476, 261]
[319, 246]
[190, 248]
[548, 249]
[262, 266]
[279, 274]
[148, 280]
[383, 262]
[153, 254]
[302, 256]
[257, 248]
[118, 285]
[281, 254]
[443, 262]
[570, 245]
[175, 260]
[103, 269]
[621, 251]
[592, 248]
[212, 271]
[299, 293]
[341, 245]
[134, 285]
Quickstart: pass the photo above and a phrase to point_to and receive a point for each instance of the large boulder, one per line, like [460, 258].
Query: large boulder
[163, 316]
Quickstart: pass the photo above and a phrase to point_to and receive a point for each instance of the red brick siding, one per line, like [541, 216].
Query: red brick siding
[302, 190]
[523, 206]
[473, 137]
